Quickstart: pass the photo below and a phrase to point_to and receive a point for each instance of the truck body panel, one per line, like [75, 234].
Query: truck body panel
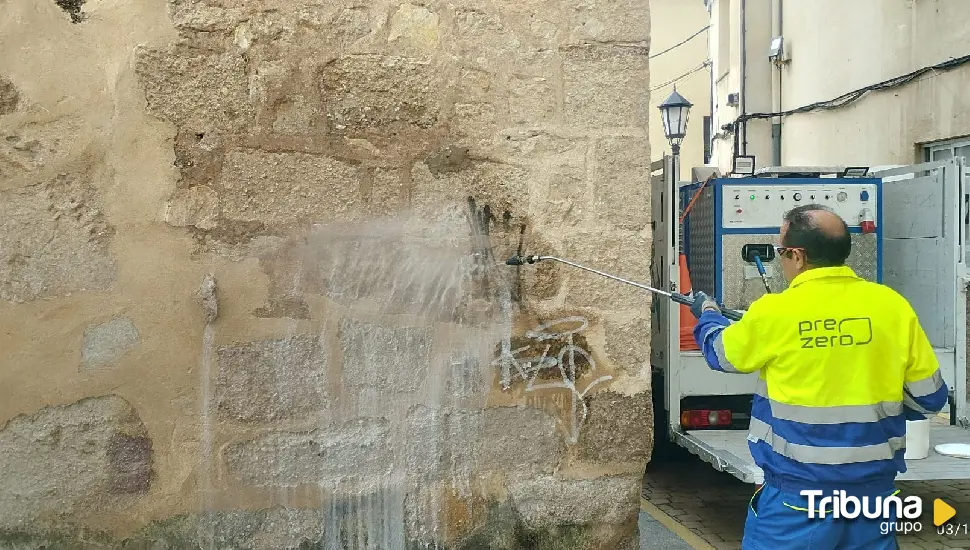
[727, 451]
[924, 227]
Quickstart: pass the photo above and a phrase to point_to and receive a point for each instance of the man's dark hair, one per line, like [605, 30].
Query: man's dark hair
[822, 248]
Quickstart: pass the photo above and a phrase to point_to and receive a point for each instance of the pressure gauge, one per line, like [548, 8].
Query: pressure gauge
[841, 196]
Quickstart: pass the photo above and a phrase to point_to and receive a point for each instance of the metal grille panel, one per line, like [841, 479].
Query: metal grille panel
[701, 254]
[739, 292]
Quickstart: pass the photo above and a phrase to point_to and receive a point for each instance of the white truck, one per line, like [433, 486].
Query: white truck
[924, 222]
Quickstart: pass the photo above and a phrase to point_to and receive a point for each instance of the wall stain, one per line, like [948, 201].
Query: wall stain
[73, 8]
[449, 159]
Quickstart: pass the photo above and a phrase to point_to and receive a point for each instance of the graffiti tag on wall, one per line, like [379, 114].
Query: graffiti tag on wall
[562, 369]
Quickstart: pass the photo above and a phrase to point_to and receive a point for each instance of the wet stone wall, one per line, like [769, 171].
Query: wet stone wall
[252, 280]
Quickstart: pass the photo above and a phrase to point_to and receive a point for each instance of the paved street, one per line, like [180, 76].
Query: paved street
[712, 505]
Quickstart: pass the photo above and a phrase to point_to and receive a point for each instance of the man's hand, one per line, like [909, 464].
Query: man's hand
[702, 303]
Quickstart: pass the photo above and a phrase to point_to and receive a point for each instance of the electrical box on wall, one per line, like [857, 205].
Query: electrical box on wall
[733, 100]
[732, 219]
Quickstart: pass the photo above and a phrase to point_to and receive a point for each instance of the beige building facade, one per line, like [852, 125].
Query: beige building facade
[679, 57]
[828, 83]
[835, 50]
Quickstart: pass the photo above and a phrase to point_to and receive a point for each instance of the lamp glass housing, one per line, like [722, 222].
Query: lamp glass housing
[675, 112]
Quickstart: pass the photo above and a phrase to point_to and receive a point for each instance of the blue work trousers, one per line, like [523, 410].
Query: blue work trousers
[779, 521]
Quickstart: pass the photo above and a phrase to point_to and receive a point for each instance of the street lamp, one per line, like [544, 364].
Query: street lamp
[674, 112]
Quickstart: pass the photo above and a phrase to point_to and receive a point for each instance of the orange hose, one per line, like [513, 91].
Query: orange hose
[694, 198]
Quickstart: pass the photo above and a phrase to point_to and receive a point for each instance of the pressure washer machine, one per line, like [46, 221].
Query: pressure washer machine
[730, 225]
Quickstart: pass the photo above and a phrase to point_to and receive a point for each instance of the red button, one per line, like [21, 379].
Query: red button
[738, 210]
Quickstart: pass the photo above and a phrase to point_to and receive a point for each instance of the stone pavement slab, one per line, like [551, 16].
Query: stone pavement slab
[656, 535]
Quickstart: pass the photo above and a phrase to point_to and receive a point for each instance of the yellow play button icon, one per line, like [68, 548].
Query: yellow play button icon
[942, 512]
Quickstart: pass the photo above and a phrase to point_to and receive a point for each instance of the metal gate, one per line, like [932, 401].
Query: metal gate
[924, 258]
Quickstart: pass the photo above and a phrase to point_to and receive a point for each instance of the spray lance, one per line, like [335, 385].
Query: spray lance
[761, 271]
[731, 314]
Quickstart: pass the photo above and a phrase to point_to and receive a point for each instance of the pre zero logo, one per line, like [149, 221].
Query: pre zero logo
[835, 332]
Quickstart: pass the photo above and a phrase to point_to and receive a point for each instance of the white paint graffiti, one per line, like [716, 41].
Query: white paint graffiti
[528, 368]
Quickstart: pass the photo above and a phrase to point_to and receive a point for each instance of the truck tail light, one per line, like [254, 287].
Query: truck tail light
[705, 418]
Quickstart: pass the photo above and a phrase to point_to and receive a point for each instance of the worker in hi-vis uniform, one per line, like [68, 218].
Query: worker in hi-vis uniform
[844, 363]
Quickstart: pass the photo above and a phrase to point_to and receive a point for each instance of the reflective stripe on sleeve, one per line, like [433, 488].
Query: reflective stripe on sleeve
[829, 415]
[722, 361]
[911, 403]
[760, 431]
[712, 330]
[926, 386]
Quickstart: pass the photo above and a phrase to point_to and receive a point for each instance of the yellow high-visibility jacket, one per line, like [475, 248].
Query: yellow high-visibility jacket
[844, 362]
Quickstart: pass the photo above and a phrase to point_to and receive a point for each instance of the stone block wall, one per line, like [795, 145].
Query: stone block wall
[252, 280]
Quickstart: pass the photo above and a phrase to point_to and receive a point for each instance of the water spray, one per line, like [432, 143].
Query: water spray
[678, 298]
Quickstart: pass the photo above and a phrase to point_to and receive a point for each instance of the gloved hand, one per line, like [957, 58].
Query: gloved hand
[702, 303]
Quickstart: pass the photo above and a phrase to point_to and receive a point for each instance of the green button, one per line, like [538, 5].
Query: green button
[752, 197]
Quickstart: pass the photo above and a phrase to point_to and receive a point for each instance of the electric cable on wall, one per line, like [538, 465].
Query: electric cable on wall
[679, 44]
[681, 77]
[851, 97]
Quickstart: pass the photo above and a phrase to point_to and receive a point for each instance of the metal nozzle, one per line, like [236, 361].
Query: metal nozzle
[520, 260]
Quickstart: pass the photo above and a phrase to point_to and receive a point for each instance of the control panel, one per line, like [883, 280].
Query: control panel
[763, 205]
